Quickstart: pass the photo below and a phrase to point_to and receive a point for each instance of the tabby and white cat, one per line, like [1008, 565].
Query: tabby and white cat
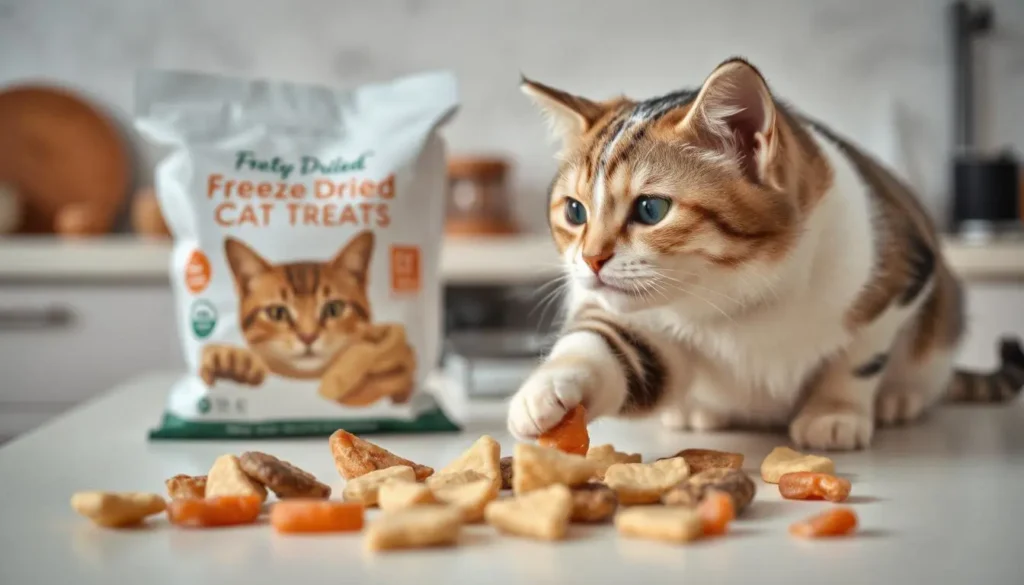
[734, 263]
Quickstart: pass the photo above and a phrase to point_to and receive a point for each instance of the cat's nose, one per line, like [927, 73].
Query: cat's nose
[596, 261]
[307, 338]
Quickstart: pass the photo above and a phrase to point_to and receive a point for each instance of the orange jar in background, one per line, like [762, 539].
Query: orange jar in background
[478, 197]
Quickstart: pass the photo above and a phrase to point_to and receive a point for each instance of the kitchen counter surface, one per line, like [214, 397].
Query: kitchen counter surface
[939, 503]
[472, 260]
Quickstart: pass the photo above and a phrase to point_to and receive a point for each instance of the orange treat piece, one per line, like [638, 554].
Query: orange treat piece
[219, 511]
[837, 521]
[570, 434]
[716, 512]
[808, 485]
[314, 515]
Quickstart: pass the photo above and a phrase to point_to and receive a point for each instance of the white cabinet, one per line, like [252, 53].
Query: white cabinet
[63, 343]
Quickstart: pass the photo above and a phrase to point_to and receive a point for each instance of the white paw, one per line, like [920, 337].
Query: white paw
[895, 408]
[546, 396]
[697, 419]
[841, 430]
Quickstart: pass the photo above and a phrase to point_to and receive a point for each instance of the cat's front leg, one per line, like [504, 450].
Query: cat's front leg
[608, 367]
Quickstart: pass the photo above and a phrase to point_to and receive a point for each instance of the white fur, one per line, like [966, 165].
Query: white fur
[743, 346]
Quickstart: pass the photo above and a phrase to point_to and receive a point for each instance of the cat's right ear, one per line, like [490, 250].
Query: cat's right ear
[569, 116]
[244, 262]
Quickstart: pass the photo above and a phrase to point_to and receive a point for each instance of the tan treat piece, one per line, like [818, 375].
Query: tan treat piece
[399, 494]
[644, 483]
[354, 457]
[186, 486]
[117, 510]
[416, 527]
[593, 502]
[535, 467]
[671, 524]
[366, 488]
[703, 459]
[483, 457]
[783, 460]
[506, 473]
[692, 491]
[453, 478]
[542, 514]
[283, 478]
[226, 478]
[606, 456]
[470, 497]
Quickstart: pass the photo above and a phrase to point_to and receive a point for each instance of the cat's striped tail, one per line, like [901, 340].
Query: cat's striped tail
[1000, 385]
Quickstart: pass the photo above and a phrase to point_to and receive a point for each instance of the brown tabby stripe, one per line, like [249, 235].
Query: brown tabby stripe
[723, 225]
[360, 310]
[646, 374]
[998, 386]
[302, 277]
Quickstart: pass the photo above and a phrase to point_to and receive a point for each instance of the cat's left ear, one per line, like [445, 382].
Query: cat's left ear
[735, 115]
[570, 116]
[354, 258]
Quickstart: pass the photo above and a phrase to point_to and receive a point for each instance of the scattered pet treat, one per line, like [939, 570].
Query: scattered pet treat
[281, 477]
[355, 457]
[215, 511]
[692, 491]
[506, 472]
[226, 478]
[593, 502]
[606, 456]
[366, 488]
[838, 521]
[482, 457]
[716, 512]
[807, 485]
[316, 515]
[535, 467]
[417, 527]
[783, 460]
[117, 509]
[186, 486]
[570, 434]
[644, 483]
[671, 524]
[542, 514]
[397, 495]
[704, 459]
[470, 498]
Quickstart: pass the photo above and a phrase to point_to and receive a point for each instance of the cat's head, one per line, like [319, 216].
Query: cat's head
[693, 199]
[298, 316]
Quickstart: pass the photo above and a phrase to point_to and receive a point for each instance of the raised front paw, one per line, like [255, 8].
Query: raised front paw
[548, 394]
[835, 429]
[228, 362]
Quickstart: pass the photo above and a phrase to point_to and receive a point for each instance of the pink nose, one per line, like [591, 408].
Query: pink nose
[308, 338]
[596, 261]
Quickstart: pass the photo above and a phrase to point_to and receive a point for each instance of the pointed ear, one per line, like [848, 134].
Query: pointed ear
[569, 116]
[244, 262]
[735, 115]
[354, 258]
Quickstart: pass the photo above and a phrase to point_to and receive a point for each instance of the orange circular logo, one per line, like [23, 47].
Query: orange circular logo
[197, 272]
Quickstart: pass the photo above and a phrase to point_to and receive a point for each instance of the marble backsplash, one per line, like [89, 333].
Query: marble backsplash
[877, 70]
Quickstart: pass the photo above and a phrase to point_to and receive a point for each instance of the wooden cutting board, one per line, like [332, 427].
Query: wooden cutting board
[58, 150]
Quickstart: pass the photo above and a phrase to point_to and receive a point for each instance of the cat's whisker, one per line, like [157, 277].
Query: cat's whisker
[708, 302]
[738, 302]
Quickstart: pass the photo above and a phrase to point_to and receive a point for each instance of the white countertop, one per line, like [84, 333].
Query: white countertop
[472, 260]
[939, 503]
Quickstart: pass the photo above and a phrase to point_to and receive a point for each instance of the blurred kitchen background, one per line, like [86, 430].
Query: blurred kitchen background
[934, 89]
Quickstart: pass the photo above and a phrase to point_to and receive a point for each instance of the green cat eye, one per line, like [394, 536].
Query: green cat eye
[332, 309]
[649, 210]
[575, 213]
[277, 312]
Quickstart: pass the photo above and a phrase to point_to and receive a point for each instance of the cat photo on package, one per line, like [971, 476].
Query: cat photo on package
[307, 225]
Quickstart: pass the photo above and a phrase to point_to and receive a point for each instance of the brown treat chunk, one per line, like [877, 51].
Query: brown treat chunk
[186, 486]
[283, 478]
[703, 459]
[416, 527]
[226, 478]
[536, 467]
[593, 502]
[506, 472]
[606, 456]
[354, 457]
[692, 491]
